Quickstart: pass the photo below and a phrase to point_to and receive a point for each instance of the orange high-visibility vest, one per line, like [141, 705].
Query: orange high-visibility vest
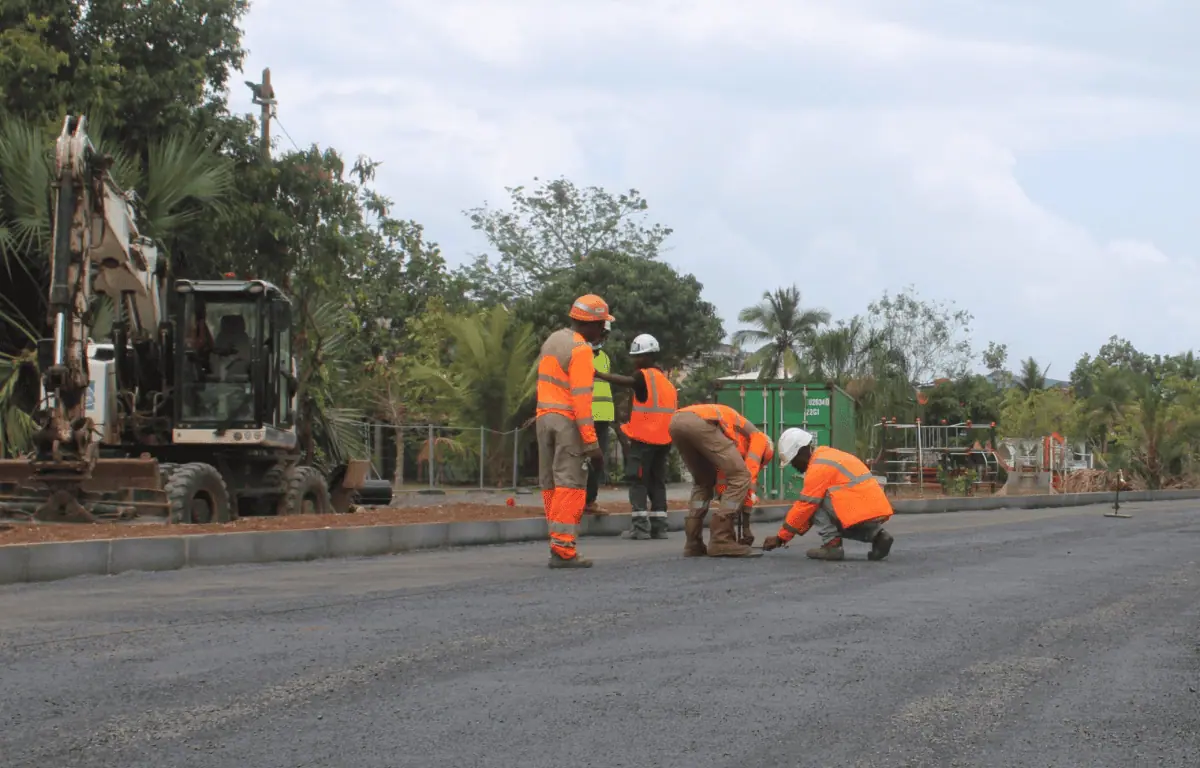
[569, 392]
[651, 418]
[853, 492]
[751, 443]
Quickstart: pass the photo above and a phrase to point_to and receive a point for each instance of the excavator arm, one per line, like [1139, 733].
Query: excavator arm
[96, 250]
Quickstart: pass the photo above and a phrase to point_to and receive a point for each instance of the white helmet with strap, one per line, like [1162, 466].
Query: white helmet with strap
[790, 443]
[643, 344]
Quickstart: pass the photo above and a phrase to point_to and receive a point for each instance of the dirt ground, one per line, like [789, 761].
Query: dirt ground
[32, 533]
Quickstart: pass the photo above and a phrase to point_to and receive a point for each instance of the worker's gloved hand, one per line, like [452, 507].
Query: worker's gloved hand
[751, 499]
[773, 542]
[595, 454]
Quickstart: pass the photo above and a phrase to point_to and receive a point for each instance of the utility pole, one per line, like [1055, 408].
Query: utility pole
[264, 96]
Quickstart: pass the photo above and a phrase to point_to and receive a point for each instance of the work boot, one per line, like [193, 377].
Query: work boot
[747, 535]
[830, 551]
[693, 530]
[658, 527]
[558, 561]
[593, 509]
[721, 542]
[640, 531]
[880, 546]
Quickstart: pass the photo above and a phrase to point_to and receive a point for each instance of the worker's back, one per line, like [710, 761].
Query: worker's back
[857, 494]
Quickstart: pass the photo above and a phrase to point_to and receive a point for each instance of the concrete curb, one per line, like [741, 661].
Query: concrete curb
[21, 563]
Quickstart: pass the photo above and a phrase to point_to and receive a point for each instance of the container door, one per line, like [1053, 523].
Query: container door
[807, 407]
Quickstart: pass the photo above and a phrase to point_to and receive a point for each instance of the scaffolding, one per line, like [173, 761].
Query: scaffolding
[920, 455]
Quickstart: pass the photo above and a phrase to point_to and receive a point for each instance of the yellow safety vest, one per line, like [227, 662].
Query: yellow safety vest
[602, 401]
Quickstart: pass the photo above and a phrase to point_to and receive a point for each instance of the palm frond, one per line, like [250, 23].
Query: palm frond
[184, 175]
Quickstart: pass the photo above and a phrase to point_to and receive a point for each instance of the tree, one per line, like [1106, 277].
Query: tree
[785, 329]
[147, 69]
[1032, 377]
[1038, 413]
[931, 337]
[554, 228]
[644, 296]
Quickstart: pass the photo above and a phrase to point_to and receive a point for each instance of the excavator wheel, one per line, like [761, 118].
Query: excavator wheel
[198, 495]
[305, 493]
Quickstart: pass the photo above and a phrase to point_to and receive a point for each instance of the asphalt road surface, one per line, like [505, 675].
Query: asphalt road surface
[1015, 638]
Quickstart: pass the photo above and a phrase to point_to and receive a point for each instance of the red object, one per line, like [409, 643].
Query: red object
[230, 275]
[510, 501]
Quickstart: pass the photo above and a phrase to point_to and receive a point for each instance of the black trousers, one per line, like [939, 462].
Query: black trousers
[646, 472]
[594, 471]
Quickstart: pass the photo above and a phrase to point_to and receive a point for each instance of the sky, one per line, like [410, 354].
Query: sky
[1034, 162]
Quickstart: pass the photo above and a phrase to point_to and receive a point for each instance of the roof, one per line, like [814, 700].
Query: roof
[230, 286]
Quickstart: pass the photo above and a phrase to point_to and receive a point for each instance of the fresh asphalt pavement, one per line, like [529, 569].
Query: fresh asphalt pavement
[1007, 638]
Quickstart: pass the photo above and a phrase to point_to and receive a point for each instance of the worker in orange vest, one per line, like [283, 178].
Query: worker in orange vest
[840, 497]
[648, 430]
[566, 431]
[714, 438]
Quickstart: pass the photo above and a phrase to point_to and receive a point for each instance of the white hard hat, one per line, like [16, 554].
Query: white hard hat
[790, 443]
[643, 344]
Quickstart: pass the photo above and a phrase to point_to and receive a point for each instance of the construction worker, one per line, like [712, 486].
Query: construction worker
[604, 413]
[566, 430]
[648, 430]
[840, 496]
[714, 438]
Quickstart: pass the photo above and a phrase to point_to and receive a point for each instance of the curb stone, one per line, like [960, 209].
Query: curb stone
[22, 563]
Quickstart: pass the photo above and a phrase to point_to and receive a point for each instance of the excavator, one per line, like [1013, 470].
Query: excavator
[187, 412]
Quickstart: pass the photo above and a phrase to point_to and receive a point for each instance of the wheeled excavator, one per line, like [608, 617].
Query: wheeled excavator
[187, 411]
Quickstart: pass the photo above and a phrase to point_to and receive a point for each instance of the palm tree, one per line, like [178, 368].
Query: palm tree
[1033, 376]
[491, 378]
[784, 328]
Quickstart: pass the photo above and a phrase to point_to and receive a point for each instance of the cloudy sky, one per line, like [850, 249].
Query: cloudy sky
[1034, 161]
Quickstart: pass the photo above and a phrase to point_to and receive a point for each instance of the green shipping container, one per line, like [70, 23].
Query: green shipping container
[773, 406]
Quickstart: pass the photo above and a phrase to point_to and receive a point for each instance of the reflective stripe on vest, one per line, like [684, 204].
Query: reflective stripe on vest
[650, 421]
[602, 397]
[554, 388]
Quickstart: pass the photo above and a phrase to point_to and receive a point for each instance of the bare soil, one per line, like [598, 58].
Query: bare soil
[34, 532]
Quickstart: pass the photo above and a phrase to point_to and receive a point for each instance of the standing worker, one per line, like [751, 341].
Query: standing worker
[648, 430]
[714, 438]
[840, 496]
[566, 431]
[604, 413]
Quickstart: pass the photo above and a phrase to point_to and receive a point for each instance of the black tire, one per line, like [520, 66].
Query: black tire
[305, 493]
[198, 495]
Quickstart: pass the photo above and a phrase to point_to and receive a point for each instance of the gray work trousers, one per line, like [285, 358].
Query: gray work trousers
[826, 524]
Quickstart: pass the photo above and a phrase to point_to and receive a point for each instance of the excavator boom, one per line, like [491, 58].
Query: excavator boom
[96, 249]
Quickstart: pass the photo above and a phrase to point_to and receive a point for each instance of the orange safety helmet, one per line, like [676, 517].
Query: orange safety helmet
[590, 309]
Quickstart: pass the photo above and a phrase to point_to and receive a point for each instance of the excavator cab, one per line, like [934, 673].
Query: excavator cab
[235, 377]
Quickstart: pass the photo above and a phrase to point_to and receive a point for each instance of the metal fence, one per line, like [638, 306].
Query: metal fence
[425, 457]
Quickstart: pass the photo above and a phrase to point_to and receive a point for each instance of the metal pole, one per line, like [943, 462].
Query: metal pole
[482, 448]
[431, 457]
[920, 461]
[516, 455]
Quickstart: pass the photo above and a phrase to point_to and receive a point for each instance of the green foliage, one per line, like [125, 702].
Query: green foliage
[786, 331]
[552, 229]
[932, 338]
[644, 296]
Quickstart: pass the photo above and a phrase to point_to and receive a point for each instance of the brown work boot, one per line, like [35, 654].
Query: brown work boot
[557, 561]
[594, 509]
[880, 546]
[831, 551]
[747, 535]
[721, 542]
[693, 529]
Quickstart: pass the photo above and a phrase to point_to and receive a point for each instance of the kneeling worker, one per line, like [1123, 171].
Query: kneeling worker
[648, 430]
[715, 438]
[840, 497]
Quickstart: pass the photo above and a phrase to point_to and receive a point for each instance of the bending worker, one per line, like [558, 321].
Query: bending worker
[840, 497]
[712, 438]
[566, 431]
[648, 430]
[604, 412]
